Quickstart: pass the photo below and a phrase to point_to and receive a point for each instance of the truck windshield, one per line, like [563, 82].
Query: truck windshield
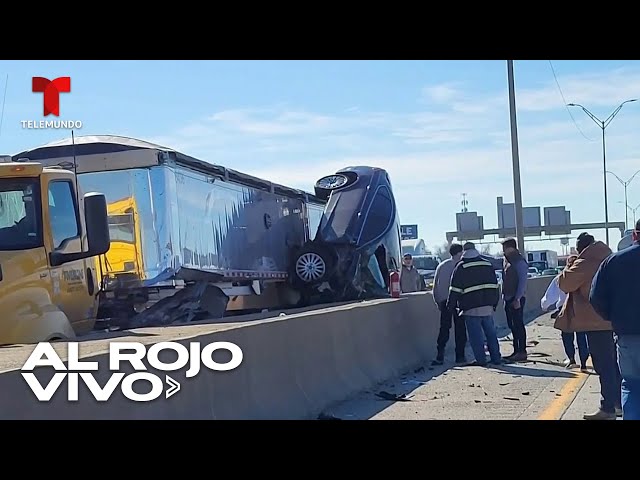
[19, 214]
[121, 228]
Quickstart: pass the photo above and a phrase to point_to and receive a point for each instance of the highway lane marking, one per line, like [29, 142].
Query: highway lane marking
[567, 394]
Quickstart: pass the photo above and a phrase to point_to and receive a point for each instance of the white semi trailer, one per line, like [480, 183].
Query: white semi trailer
[542, 259]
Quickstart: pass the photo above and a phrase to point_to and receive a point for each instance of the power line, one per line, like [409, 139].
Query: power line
[564, 101]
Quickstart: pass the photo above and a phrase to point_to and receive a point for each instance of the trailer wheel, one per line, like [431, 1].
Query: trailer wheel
[313, 265]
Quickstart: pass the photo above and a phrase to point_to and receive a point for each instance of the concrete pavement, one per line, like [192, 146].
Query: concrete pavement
[540, 389]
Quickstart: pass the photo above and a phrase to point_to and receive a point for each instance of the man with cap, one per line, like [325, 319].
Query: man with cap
[615, 295]
[474, 291]
[578, 315]
[410, 278]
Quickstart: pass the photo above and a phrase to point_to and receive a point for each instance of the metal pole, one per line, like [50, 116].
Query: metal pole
[626, 208]
[517, 190]
[606, 202]
[603, 124]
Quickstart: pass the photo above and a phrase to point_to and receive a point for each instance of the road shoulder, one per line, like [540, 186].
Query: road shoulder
[539, 389]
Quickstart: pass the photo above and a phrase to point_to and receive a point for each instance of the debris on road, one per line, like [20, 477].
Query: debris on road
[393, 397]
[413, 382]
[515, 391]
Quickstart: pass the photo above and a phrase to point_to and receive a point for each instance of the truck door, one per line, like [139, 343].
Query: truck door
[24, 273]
[71, 292]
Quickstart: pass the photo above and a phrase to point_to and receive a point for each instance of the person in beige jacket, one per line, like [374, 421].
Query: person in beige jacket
[577, 315]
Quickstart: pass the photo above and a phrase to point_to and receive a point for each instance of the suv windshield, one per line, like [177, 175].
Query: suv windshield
[19, 214]
[425, 263]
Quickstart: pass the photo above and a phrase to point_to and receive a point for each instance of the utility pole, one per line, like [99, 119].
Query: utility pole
[515, 156]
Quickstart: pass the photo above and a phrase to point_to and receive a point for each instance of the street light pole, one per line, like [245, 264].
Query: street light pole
[625, 184]
[634, 210]
[606, 197]
[603, 124]
[515, 157]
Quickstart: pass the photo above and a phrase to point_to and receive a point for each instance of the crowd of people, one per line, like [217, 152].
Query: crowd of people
[596, 303]
[467, 294]
[466, 291]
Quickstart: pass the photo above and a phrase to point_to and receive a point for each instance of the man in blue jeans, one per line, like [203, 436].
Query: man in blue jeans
[615, 295]
[474, 291]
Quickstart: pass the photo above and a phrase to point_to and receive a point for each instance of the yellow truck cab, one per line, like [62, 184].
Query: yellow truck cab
[124, 258]
[48, 238]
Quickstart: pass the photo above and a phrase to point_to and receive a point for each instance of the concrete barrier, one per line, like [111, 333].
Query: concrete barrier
[294, 365]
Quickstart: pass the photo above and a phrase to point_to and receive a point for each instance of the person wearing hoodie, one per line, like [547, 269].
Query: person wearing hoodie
[475, 292]
[410, 278]
[578, 315]
[615, 295]
[514, 286]
[441, 284]
[554, 297]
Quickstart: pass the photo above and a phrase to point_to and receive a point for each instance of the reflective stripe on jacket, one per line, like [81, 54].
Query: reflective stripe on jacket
[473, 284]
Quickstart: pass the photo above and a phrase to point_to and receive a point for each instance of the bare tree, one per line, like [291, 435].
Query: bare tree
[442, 251]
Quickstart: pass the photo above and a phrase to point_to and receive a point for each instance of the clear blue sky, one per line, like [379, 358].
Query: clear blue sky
[440, 128]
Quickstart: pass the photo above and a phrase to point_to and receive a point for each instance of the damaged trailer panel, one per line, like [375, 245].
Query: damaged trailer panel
[177, 219]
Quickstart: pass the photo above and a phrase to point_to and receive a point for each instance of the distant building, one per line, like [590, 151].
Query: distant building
[414, 247]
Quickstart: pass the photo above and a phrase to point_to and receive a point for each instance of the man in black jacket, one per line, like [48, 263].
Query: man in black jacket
[474, 291]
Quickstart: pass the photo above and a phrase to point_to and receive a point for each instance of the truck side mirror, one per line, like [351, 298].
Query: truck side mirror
[96, 220]
[98, 238]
